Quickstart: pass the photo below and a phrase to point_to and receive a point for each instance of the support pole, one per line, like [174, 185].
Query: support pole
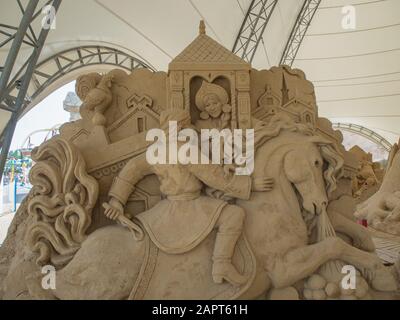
[33, 59]
[252, 28]
[299, 30]
[16, 45]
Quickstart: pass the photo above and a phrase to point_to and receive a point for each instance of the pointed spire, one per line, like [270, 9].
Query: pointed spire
[202, 27]
[285, 91]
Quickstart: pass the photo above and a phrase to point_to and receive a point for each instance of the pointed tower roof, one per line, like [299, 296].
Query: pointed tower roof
[204, 53]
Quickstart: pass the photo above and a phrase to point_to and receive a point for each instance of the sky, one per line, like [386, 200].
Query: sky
[44, 115]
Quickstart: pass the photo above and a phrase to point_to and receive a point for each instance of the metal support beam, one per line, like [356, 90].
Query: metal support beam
[29, 67]
[253, 27]
[72, 60]
[299, 30]
[16, 45]
[64, 63]
[364, 132]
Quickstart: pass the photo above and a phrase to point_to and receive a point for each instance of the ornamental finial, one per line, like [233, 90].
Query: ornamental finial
[202, 27]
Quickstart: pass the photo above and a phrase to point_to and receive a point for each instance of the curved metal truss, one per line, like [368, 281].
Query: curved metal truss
[32, 33]
[299, 30]
[19, 86]
[50, 133]
[29, 32]
[366, 133]
[63, 63]
[68, 61]
[253, 28]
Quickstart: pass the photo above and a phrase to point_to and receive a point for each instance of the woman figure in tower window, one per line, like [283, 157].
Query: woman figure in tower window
[215, 113]
[212, 102]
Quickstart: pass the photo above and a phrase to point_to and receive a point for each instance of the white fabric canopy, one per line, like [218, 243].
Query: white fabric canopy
[356, 72]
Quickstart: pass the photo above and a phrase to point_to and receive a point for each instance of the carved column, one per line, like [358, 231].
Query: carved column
[176, 99]
[243, 99]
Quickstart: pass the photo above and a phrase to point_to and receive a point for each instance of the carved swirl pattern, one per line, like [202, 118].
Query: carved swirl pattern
[85, 83]
[63, 196]
[113, 169]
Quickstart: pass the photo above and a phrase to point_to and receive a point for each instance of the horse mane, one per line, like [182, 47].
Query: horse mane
[279, 124]
[334, 170]
[275, 126]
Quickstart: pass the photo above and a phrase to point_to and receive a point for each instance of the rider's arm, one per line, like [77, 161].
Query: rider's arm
[124, 184]
[213, 175]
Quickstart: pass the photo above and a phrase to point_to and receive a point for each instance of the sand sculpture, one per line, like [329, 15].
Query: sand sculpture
[382, 210]
[114, 226]
[369, 176]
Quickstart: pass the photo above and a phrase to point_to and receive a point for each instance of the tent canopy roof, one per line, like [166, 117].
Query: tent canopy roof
[356, 73]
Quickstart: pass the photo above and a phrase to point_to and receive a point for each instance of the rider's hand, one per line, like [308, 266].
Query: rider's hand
[262, 184]
[114, 209]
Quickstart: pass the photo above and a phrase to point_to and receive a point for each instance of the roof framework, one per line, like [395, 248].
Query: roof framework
[366, 133]
[253, 28]
[356, 73]
[38, 38]
[299, 30]
[76, 60]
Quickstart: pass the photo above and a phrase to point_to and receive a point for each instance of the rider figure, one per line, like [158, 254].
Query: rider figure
[185, 217]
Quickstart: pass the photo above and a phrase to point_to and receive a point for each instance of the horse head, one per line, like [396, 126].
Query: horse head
[312, 168]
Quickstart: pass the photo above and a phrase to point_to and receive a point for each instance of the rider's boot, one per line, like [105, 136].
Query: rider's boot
[223, 268]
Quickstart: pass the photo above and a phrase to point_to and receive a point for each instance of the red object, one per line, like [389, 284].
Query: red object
[363, 222]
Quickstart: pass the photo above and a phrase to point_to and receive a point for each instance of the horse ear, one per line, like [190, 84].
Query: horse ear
[319, 140]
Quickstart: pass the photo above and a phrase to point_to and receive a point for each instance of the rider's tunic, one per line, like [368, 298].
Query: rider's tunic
[185, 217]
